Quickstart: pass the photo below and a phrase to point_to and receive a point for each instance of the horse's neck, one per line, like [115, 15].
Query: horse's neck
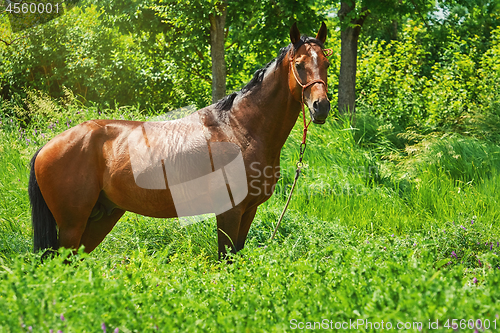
[269, 112]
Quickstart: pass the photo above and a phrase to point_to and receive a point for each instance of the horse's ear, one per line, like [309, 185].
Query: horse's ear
[321, 36]
[294, 34]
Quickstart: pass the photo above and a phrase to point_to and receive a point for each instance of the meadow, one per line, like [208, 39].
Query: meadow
[393, 226]
[375, 239]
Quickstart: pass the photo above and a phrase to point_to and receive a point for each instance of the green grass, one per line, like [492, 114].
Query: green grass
[410, 239]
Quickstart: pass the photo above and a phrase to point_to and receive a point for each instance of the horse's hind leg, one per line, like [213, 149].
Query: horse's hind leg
[95, 231]
[72, 222]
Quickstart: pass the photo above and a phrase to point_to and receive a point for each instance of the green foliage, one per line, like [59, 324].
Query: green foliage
[386, 278]
[98, 64]
[403, 97]
[180, 32]
[388, 77]
[394, 218]
[154, 53]
[486, 120]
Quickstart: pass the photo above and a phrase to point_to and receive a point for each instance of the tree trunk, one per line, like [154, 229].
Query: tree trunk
[217, 38]
[351, 28]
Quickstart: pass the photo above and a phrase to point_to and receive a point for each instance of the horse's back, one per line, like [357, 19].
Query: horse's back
[79, 146]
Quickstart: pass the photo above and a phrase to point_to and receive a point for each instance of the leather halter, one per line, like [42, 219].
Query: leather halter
[327, 53]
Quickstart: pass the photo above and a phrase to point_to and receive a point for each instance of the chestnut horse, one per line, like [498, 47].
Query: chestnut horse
[84, 179]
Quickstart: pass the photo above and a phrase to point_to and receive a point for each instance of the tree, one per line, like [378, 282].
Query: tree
[201, 35]
[353, 15]
[472, 17]
[162, 54]
[351, 28]
[217, 40]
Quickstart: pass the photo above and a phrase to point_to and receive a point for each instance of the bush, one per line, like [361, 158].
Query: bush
[77, 51]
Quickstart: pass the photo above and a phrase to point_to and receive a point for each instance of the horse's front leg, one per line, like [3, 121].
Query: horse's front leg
[228, 226]
[232, 229]
[246, 221]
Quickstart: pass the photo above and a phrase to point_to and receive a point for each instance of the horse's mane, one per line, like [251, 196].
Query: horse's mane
[226, 103]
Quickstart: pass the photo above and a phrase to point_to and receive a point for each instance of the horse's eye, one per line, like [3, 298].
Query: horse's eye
[327, 64]
[299, 65]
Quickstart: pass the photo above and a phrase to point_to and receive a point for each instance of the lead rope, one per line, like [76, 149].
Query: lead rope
[297, 174]
[303, 145]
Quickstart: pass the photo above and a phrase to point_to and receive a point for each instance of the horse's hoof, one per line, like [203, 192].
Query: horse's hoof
[48, 254]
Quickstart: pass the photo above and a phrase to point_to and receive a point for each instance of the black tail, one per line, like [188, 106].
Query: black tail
[44, 224]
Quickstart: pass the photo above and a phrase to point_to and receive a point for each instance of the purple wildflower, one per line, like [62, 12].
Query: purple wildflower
[367, 242]
[392, 235]
[43, 135]
[116, 330]
[491, 246]
[453, 254]
[103, 326]
[461, 226]
[474, 280]
[471, 221]
[479, 261]
[30, 328]
[62, 317]
[59, 331]
[51, 331]
[498, 244]
[415, 244]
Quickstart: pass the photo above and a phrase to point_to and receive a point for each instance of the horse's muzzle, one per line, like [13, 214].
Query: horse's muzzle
[320, 111]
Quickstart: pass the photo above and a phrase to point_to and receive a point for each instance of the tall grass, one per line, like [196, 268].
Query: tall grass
[369, 235]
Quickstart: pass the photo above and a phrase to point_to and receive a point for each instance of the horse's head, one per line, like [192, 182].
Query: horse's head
[308, 72]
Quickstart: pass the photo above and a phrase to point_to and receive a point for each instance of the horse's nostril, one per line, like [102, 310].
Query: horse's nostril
[315, 106]
[327, 105]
